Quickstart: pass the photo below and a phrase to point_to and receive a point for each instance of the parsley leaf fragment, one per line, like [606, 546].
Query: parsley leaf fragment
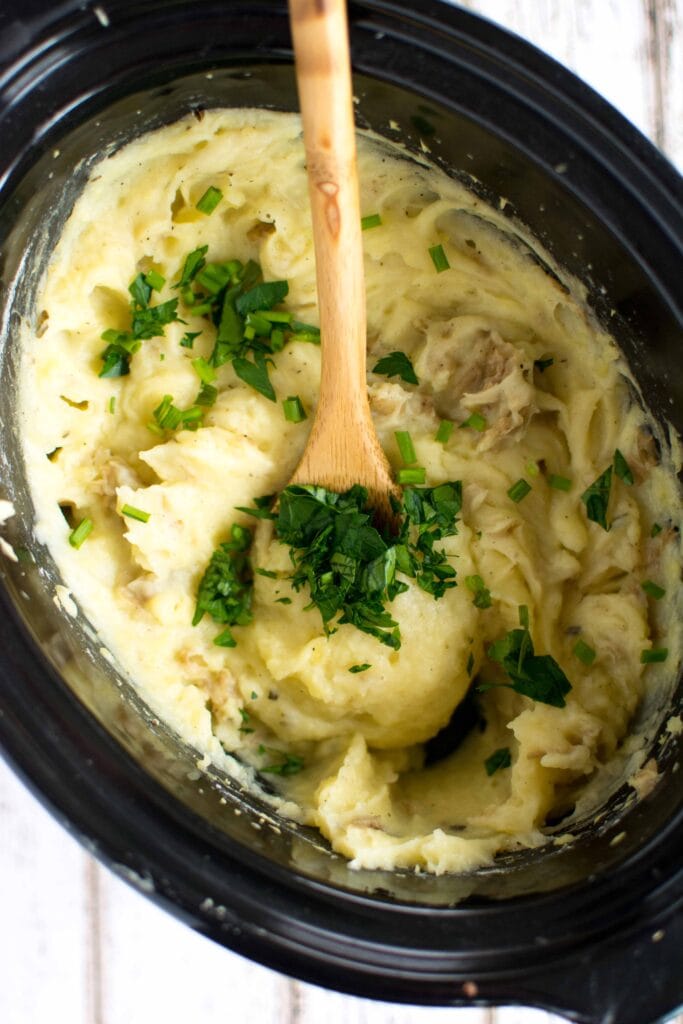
[396, 364]
[225, 589]
[536, 676]
[500, 758]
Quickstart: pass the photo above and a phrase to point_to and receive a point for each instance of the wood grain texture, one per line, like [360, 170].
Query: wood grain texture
[79, 946]
[342, 448]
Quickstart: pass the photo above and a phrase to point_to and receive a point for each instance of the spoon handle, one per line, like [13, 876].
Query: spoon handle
[320, 34]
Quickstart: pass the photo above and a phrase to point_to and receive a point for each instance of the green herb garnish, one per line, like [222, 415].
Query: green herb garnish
[225, 589]
[146, 322]
[519, 490]
[414, 475]
[112, 404]
[482, 594]
[155, 280]
[246, 719]
[135, 513]
[81, 533]
[287, 764]
[373, 220]
[210, 200]
[560, 483]
[536, 676]
[168, 417]
[653, 590]
[349, 567]
[360, 668]
[655, 654]
[583, 652]
[543, 364]
[622, 468]
[444, 432]
[656, 529]
[293, 409]
[187, 340]
[523, 613]
[439, 258]
[396, 364]
[255, 375]
[476, 421]
[500, 758]
[405, 447]
[596, 498]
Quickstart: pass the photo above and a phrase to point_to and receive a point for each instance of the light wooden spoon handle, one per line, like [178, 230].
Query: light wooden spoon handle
[343, 448]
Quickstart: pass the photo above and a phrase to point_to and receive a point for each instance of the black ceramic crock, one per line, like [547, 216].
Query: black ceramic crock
[593, 930]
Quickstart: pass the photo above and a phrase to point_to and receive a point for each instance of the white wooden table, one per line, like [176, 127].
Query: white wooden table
[77, 946]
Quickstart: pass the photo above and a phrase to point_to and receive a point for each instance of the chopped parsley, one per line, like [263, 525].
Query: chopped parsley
[482, 594]
[653, 590]
[500, 758]
[536, 676]
[210, 200]
[246, 719]
[225, 589]
[584, 652]
[622, 468]
[543, 364]
[396, 364]
[519, 490]
[439, 259]
[656, 529]
[80, 534]
[187, 340]
[596, 498]
[360, 668]
[286, 764]
[146, 322]
[373, 220]
[349, 567]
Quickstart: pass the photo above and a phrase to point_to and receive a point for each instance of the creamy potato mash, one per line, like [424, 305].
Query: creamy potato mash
[535, 391]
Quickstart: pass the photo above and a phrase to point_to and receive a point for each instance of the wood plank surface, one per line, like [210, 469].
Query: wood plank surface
[78, 945]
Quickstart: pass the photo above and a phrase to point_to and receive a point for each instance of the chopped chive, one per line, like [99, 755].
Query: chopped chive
[405, 447]
[417, 475]
[112, 404]
[277, 340]
[476, 421]
[277, 316]
[499, 759]
[519, 490]
[81, 532]
[532, 468]
[155, 280]
[655, 654]
[266, 572]
[135, 513]
[583, 652]
[293, 409]
[653, 590]
[360, 668]
[544, 363]
[596, 498]
[560, 483]
[249, 332]
[656, 529]
[444, 432]
[373, 220]
[622, 468]
[204, 370]
[210, 200]
[439, 258]
[523, 612]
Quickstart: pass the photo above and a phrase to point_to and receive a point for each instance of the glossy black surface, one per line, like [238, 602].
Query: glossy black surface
[593, 929]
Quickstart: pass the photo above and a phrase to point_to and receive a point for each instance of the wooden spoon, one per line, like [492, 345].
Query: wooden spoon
[343, 448]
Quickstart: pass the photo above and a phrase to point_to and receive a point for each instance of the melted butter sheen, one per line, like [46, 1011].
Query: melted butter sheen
[473, 334]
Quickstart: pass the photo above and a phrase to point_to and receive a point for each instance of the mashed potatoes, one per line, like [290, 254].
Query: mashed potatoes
[536, 393]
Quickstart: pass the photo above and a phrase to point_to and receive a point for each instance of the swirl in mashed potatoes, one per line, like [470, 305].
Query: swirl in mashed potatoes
[495, 336]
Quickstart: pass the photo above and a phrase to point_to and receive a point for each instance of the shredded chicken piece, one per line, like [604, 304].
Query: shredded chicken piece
[471, 367]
